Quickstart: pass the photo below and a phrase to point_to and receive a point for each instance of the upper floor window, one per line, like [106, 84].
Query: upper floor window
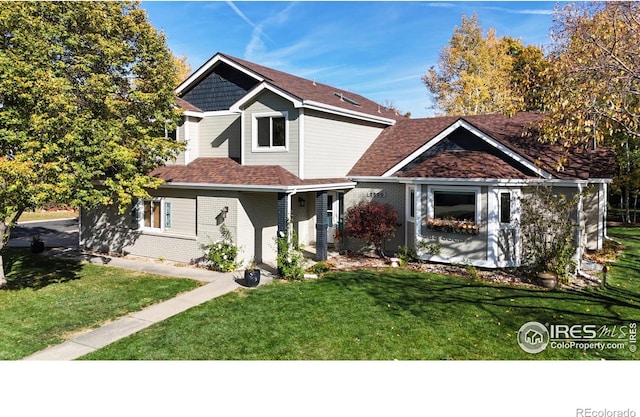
[270, 132]
[170, 131]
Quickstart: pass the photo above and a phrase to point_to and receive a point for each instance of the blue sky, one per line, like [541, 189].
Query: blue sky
[377, 49]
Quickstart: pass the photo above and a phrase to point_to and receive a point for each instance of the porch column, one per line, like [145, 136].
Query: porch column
[321, 226]
[284, 211]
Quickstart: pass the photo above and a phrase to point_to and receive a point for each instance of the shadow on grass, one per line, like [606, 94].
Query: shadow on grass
[24, 269]
[431, 297]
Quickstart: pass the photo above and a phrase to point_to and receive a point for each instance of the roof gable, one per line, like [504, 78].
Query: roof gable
[219, 88]
[405, 146]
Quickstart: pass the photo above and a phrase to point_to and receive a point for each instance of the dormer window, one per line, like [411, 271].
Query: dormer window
[270, 132]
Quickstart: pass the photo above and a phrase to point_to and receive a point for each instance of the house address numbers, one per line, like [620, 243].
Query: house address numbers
[379, 194]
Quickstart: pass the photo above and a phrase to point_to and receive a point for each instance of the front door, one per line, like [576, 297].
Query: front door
[335, 214]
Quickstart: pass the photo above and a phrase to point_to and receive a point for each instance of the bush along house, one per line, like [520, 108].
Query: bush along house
[266, 149]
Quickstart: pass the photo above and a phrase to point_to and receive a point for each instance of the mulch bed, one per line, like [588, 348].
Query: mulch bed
[347, 261]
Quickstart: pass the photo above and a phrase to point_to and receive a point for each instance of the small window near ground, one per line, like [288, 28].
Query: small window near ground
[505, 207]
[152, 217]
[454, 205]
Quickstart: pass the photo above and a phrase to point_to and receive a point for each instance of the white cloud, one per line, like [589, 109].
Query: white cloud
[256, 47]
[544, 12]
[242, 15]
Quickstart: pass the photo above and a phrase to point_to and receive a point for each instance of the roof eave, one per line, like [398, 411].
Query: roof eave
[260, 188]
[485, 181]
[315, 105]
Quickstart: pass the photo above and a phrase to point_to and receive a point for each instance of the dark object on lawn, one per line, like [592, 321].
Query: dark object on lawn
[252, 277]
[37, 245]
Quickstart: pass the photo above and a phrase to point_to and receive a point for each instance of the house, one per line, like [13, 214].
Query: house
[265, 148]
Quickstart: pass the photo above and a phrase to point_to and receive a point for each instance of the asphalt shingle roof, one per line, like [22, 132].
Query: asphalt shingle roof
[463, 164]
[305, 89]
[399, 141]
[226, 171]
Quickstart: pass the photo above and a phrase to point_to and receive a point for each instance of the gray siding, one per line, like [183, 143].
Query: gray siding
[333, 144]
[257, 226]
[104, 230]
[594, 218]
[265, 103]
[180, 132]
[219, 136]
[507, 245]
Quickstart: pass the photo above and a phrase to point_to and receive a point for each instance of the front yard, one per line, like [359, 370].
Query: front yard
[51, 299]
[390, 314]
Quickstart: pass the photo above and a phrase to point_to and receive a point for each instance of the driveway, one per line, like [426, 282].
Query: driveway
[55, 233]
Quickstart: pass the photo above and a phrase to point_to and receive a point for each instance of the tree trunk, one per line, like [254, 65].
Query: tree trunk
[627, 205]
[4, 238]
[3, 279]
[5, 234]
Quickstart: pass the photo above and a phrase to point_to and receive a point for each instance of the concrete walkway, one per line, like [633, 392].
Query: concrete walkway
[218, 284]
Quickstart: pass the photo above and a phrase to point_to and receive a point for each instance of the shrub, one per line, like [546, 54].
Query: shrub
[372, 222]
[222, 254]
[406, 255]
[548, 229]
[321, 267]
[289, 257]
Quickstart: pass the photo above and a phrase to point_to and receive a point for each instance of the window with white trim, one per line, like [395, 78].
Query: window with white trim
[270, 132]
[454, 205]
[505, 207]
[411, 204]
[156, 214]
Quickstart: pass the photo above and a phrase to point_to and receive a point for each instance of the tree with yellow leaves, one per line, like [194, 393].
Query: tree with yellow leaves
[86, 90]
[480, 75]
[593, 79]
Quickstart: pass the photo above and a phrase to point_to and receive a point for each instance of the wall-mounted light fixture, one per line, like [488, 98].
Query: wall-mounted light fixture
[301, 201]
[222, 216]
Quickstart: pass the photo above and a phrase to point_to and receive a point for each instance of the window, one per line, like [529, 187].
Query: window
[270, 132]
[454, 205]
[171, 132]
[153, 215]
[411, 204]
[505, 207]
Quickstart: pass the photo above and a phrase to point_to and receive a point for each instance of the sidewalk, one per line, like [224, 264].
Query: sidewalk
[218, 284]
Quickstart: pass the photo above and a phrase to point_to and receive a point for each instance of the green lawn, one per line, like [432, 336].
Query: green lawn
[29, 216]
[388, 314]
[50, 299]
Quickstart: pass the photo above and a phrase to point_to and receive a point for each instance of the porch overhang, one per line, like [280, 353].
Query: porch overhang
[290, 189]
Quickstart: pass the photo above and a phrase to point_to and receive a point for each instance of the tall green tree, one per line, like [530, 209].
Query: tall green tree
[86, 89]
[479, 75]
[593, 94]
